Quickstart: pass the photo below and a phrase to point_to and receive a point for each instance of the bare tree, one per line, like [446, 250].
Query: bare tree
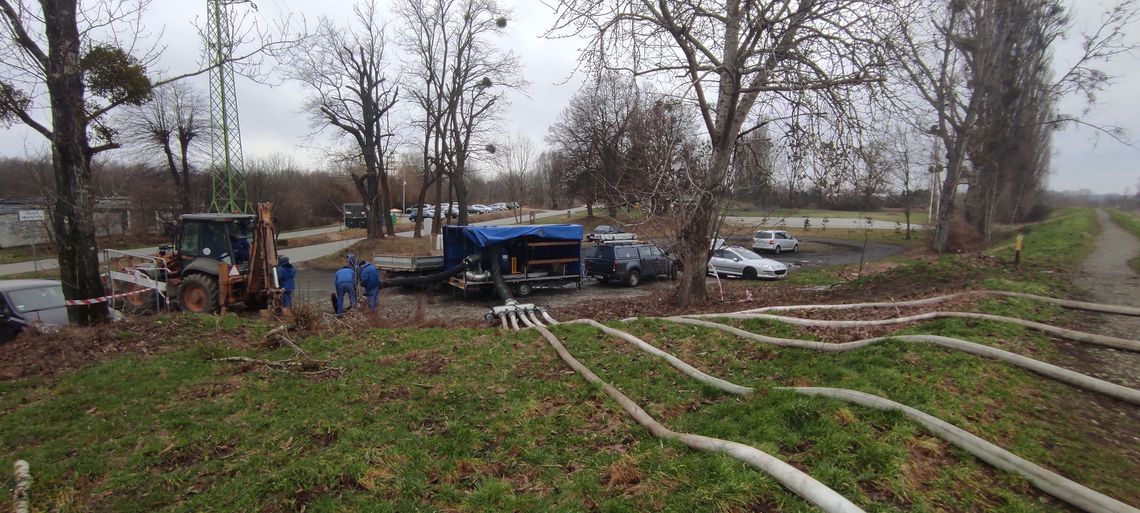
[731, 56]
[460, 81]
[172, 124]
[956, 57]
[515, 161]
[594, 133]
[351, 92]
[551, 174]
[86, 72]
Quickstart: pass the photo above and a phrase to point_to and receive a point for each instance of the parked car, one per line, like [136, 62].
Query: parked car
[499, 207]
[743, 262]
[478, 209]
[605, 229]
[628, 263]
[26, 303]
[428, 214]
[776, 241]
[512, 205]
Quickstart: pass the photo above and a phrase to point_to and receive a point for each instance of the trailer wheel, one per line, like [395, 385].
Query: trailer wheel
[523, 290]
[199, 294]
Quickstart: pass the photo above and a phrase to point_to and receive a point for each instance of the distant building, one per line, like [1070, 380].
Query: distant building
[24, 222]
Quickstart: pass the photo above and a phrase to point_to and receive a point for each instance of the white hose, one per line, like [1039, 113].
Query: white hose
[1066, 303]
[503, 321]
[1080, 336]
[511, 318]
[534, 318]
[675, 362]
[549, 319]
[523, 321]
[1049, 482]
[1051, 371]
[794, 479]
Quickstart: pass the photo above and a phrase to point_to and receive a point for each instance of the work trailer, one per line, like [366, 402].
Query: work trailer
[524, 256]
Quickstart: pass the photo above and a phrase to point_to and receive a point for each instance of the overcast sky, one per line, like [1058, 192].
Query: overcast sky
[272, 123]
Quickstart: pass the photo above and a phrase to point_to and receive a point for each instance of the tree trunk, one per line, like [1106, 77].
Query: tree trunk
[589, 210]
[436, 226]
[461, 198]
[386, 205]
[420, 199]
[73, 216]
[694, 248]
[945, 213]
[366, 187]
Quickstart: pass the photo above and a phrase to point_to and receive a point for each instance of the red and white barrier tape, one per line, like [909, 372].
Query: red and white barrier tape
[106, 298]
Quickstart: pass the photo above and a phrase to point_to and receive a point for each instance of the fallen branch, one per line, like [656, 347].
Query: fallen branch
[302, 366]
[280, 334]
[794, 479]
[1079, 336]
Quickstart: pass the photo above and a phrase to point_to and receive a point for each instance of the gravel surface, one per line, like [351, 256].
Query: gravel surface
[1108, 279]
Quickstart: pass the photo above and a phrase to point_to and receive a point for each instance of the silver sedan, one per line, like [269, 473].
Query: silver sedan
[743, 262]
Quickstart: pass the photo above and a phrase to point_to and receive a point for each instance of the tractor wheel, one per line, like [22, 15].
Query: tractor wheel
[199, 294]
[524, 290]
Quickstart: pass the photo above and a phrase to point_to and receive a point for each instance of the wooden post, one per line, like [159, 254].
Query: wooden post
[1017, 250]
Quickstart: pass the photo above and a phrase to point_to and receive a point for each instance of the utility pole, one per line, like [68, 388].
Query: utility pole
[227, 170]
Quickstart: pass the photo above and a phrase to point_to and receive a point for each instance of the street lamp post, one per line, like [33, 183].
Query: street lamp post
[403, 196]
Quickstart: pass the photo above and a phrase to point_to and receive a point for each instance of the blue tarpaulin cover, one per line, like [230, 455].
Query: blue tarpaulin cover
[460, 241]
[485, 236]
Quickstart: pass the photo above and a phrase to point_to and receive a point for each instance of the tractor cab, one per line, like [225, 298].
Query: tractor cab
[204, 240]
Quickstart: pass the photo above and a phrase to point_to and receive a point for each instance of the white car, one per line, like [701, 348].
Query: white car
[743, 262]
[776, 241]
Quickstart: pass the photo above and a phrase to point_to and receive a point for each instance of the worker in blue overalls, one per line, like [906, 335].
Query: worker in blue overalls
[287, 278]
[345, 282]
[370, 280]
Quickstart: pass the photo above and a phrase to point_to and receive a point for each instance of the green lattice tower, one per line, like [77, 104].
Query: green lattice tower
[227, 171]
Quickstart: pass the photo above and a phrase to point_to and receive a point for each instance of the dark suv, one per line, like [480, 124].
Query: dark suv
[628, 263]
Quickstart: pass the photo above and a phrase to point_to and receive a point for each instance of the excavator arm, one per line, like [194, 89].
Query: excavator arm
[263, 257]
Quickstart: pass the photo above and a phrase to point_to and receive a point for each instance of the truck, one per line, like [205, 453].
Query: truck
[524, 256]
[355, 216]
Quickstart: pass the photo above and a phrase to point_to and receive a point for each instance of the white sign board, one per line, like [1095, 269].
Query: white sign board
[31, 215]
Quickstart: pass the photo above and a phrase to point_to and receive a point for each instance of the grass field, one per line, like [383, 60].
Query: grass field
[1131, 223]
[483, 420]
